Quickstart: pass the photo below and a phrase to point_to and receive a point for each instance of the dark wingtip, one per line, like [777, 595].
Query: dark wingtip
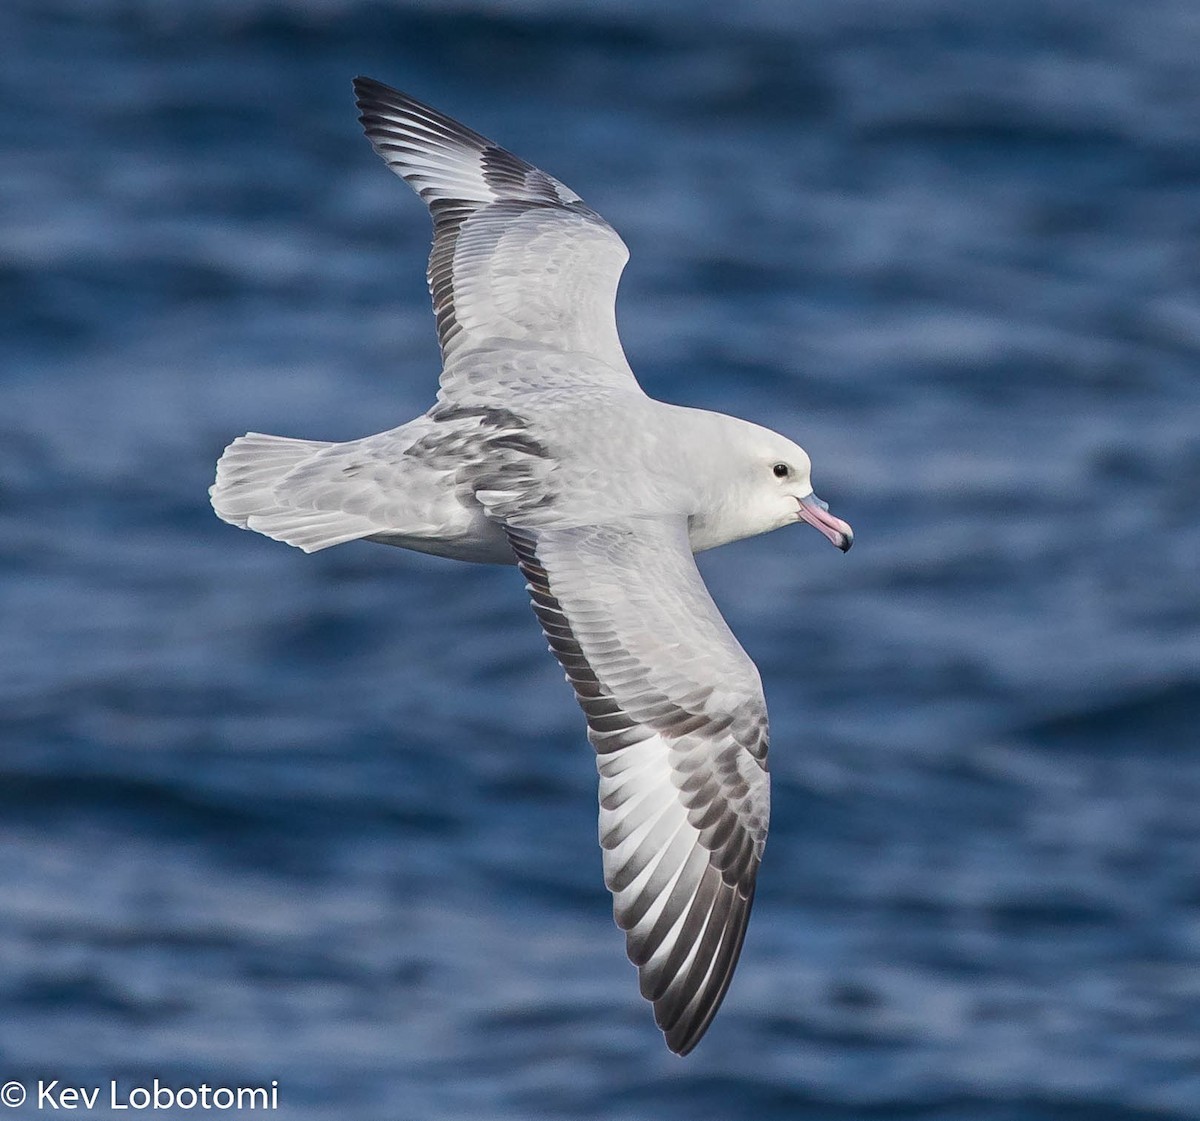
[368, 94]
[364, 85]
[366, 90]
[683, 1036]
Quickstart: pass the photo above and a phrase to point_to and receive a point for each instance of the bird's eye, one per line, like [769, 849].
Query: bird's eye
[782, 470]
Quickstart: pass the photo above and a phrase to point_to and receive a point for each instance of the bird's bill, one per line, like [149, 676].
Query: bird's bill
[816, 513]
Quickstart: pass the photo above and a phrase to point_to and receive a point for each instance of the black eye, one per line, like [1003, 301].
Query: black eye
[782, 470]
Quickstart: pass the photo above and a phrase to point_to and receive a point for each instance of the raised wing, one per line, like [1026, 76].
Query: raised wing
[517, 257]
[676, 714]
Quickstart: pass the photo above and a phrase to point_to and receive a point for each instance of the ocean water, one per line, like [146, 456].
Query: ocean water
[329, 821]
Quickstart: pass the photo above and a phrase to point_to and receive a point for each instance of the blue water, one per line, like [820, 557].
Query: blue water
[330, 820]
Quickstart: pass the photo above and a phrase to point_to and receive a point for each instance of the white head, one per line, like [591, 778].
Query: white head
[770, 486]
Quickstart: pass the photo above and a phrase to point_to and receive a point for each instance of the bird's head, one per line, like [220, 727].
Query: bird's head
[780, 477]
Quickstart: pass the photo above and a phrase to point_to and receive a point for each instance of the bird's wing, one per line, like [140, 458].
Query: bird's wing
[676, 714]
[518, 260]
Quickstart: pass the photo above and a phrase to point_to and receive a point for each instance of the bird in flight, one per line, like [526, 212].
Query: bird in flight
[542, 450]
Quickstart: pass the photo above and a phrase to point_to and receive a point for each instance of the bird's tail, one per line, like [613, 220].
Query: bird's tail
[252, 492]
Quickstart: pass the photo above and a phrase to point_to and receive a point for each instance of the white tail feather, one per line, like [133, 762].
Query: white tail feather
[250, 494]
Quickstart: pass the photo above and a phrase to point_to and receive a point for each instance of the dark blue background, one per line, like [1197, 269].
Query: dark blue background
[331, 820]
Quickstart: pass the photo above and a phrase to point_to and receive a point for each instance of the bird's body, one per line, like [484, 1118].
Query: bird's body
[417, 486]
[542, 450]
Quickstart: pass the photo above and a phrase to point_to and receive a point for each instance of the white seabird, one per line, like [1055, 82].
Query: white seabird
[542, 450]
